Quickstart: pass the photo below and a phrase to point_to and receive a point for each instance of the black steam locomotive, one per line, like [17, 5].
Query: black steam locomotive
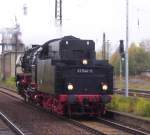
[64, 77]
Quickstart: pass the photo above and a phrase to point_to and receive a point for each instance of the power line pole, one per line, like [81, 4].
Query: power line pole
[16, 45]
[17, 30]
[104, 47]
[3, 56]
[58, 12]
[126, 54]
[108, 50]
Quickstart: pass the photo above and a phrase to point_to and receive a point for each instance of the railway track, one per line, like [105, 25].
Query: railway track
[108, 127]
[47, 122]
[84, 126]
[101, 126]
[133, 92]
[7, 127]
[123, 127]
[71, 121]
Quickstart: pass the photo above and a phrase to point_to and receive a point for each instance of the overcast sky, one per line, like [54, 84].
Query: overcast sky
[82, 18]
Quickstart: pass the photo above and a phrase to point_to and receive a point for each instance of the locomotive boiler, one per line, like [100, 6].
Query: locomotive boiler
[63, 76]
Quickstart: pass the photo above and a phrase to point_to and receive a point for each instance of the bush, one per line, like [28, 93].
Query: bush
[138, 106]
[142, 107]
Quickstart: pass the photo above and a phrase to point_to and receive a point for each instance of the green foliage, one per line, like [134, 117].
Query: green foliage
[122, 103]
[115, 61]
[10, 82]
[142, 107]
[138, 106]
[139, 60]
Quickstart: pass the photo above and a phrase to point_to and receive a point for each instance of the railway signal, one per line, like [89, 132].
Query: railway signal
[121, 49]
[122, 56]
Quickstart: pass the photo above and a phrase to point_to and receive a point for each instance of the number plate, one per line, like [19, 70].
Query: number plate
[83, 70]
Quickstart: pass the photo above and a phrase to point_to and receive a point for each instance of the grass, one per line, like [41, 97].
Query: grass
[9, 82]
[136, 82]
[133, 105]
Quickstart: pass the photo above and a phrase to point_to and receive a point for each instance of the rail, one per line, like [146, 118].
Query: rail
[12, 126]
[134, 92]
[123, 127]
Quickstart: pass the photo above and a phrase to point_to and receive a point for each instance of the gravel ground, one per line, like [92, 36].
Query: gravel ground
[33, 121]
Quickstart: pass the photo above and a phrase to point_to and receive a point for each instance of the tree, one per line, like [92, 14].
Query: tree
[139, 60]
[115, 61]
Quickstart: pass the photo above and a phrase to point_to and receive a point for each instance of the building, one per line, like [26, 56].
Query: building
[12, 47]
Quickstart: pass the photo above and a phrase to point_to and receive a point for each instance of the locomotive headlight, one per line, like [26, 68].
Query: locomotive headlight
[104, 87]
[84, 62]
[70, 86]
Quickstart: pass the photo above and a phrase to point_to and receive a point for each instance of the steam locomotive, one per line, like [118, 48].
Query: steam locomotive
[63, 76]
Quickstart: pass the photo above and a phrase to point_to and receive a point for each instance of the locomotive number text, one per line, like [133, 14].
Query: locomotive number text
[82, 70]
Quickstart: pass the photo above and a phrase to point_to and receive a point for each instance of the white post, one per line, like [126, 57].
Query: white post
[126, 54]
